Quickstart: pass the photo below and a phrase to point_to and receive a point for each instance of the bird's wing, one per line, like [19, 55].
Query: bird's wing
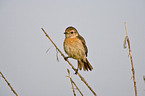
[84, 43]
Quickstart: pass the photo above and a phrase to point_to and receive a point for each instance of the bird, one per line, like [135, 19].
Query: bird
[75, 47]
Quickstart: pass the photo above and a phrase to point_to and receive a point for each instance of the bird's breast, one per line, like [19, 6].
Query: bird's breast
[74, 48]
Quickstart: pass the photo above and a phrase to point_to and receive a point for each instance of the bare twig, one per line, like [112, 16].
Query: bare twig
[133, 71]
[71, 82]
[74, 83]
[9, 84]
[69, 63]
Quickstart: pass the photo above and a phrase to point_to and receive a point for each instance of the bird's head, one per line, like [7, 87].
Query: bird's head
[71, 32]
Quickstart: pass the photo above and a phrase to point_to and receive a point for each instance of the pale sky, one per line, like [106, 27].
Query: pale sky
[33, 72]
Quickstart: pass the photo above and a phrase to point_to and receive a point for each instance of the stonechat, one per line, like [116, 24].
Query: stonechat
[75, 47]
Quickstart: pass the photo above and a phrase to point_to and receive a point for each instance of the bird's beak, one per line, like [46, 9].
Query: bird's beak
[64, 32]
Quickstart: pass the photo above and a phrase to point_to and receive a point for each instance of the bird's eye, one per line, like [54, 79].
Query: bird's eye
[71, 32]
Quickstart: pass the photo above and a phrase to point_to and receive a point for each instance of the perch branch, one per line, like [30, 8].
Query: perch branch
[9, 84]
[69, 63]
[133, 71]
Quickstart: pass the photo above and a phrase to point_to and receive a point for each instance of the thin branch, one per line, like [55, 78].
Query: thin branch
[9, 84]
[74, 82]
[133, 71]
[69, 63]
[71, 82]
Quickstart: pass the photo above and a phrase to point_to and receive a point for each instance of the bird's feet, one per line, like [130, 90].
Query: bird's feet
[65, 58]
[76, 71]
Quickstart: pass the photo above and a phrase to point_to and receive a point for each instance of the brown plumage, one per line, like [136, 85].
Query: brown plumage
[75, 47]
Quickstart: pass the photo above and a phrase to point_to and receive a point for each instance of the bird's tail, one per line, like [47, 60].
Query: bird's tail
[84, 64]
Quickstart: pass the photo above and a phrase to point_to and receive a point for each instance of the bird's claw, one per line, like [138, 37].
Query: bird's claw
[65, 58]
[76, 71]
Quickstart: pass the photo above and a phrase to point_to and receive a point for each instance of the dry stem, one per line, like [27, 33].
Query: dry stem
[69, 63]
[72, 82]
[9, 84]
[133, 71]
